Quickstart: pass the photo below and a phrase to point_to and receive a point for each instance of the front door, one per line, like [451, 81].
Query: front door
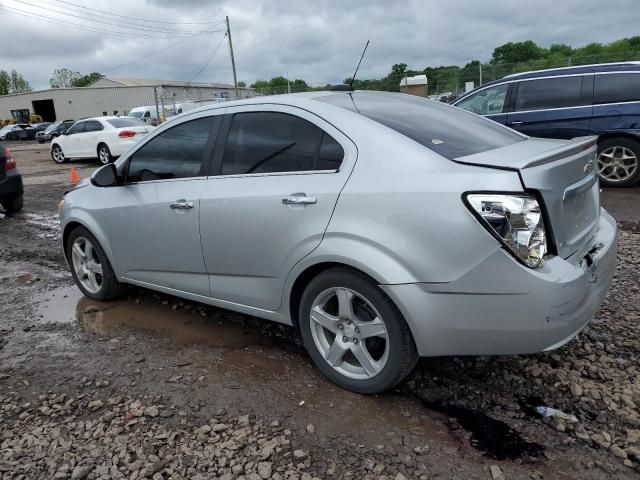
[277, 183]
[557, 107]
[153, 219]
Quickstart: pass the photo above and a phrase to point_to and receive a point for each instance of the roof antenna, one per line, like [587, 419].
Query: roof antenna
[354, 73]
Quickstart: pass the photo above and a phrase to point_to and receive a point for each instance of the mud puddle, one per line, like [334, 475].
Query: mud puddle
[492, 437]
[68, 305]
[48, 224]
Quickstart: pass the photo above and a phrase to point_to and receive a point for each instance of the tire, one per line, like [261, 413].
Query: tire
[13, 204]
[57, 155]
[104, 154]
[393, 352]
[108, 287]
[619, 162]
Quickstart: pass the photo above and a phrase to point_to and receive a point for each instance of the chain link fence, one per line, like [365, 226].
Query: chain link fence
[447, 83]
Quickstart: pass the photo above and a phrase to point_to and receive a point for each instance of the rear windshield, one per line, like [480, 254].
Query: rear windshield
[448, 131]
[137, 114]
[126, 122]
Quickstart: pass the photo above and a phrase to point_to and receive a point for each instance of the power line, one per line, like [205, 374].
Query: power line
[66, 23]
[138, 19]
[156, 52]
[215, 50]
[104, 22]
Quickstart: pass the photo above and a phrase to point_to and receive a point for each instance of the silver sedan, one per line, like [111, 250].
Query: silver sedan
[383, 226]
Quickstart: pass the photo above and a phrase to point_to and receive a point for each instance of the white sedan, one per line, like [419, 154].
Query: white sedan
[104, 138]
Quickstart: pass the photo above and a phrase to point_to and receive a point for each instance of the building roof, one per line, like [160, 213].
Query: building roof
[146, 82]
[415, 80]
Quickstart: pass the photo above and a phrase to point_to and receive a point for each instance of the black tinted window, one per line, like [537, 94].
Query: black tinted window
[331, 154]
[617, 87]
[126, 122]
[265, 142]
[76, 128]
[549, 93]
[449, 131]
[92, 126]
[175, 153]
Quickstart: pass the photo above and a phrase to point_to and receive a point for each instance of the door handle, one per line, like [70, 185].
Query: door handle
[515, 123]
[181, 205]
[299, 200]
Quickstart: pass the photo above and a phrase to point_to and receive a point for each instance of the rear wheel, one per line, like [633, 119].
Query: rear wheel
[104, 154]
[90, 266]
[619, 162]
[355, 335]
[13, 204]
[57, 155]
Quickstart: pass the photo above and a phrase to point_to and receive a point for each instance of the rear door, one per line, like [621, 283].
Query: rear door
[552, 107]
[87, 140]
[277, 182]
[616, 101]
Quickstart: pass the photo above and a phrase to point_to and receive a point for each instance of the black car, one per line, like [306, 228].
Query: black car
[11, 190]
[20, 131]
[53, 130]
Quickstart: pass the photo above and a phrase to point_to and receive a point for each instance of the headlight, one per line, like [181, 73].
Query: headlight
[516, 220]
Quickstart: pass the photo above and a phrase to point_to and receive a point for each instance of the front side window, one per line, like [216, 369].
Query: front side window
[486, 102]
[76, 128]
[175, 153]
[617, 87]
[549, 93]
[273, 142]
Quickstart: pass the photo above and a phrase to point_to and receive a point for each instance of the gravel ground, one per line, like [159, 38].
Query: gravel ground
[155, 387]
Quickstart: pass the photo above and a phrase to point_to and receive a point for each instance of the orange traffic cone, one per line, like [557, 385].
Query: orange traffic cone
[73, 174]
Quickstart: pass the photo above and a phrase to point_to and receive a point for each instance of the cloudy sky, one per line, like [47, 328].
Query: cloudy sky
[318, 41]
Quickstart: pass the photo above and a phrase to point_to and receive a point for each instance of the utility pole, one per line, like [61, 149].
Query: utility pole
[480, 73]
[233, 61]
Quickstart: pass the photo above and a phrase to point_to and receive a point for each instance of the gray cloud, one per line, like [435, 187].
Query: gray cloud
[319, 42]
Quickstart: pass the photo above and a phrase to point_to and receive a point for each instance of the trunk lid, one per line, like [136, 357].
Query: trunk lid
[564, 174]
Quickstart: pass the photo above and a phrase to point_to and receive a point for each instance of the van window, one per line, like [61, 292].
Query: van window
[549, 93]
[617, 87]
[488, 101]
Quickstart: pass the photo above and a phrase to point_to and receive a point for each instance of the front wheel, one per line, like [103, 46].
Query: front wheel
[13, 204]
[104, 154]
[90, 266]
[619, 162]
[354, 333]
[57, 155]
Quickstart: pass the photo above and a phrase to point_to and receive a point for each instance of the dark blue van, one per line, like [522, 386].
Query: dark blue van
[601, 100]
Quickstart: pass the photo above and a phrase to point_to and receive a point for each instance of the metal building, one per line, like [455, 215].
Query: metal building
[110, 96]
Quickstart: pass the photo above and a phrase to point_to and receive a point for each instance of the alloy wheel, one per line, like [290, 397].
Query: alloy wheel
[86, 265]
[103, 155]
[57, 154]
[349, 333]
[617, 163]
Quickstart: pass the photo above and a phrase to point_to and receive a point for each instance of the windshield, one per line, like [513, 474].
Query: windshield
[52, 127]
[448, 131]
[137, 114]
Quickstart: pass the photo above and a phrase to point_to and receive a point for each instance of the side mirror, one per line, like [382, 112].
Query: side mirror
[106, 176]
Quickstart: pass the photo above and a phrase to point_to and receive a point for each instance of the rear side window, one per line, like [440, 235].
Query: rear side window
[93, 126]
[617, 87]
[126, 122]
[76, 128]
[175, 153]
[449, 131]
[549, 93]
[270, 142]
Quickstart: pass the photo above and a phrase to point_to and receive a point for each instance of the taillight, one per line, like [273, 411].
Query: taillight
[127, 134]
[10, 163]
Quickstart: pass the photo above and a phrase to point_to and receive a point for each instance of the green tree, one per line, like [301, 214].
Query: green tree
[5, 83]
[18, 83]
[514, 52]
[63, 78]
[242, 84]
[87, 79]
[561, 49]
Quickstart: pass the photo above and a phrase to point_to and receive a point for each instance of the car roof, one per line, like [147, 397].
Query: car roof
[556, 72]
